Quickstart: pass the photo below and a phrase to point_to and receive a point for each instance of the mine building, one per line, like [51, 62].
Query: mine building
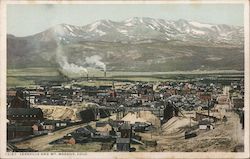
[37, 129]
[123, 142]
[19, 100]
[237, 103]
[116, 124]
[52, 125]
[205, 125]
[170, 111]
[103, 128]
[86, 131]
[18, 131]
[22, 117]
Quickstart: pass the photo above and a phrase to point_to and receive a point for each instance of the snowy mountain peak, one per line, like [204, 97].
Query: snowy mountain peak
[144, 29]
[200, 25]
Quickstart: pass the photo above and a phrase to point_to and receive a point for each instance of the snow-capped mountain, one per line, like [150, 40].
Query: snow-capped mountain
[135, 44]
[146, 29]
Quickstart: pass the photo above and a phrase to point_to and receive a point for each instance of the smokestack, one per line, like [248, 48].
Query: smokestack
[113, 85]
[87, 77]
[104, 73]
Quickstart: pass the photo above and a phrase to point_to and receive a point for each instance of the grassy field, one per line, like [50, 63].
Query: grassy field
[29, 77]
[19, 82]
[88, 147]
[33, 72]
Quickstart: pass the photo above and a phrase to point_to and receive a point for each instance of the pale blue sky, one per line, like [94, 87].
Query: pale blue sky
[26, 19]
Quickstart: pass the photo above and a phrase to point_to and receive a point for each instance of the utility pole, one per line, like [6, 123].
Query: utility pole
[29, 99]
[208, 108]
[190, 121]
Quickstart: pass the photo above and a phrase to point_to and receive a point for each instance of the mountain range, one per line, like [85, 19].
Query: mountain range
[135, 44]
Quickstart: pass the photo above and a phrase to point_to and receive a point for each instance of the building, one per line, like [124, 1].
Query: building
[52, 125]
[140, 127]
[86, 131]
[147, 98]
[116, 124]
[69, 139]
[103, 128]
[200, 116]
[19, 100]
[18, 131]
[123, 144]
[24, 115]
[37, 129]
[170, 111]
[237, 103]
[205, 125]
[126, 130]
[22, 118]
[49, 127]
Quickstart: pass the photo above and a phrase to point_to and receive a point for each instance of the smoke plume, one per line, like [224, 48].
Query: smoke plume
[70, 67]
[95, 61]
[62, 60]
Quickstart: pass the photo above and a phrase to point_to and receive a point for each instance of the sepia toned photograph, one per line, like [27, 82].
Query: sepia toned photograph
[125, 78]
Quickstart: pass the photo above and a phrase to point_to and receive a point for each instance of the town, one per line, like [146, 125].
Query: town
[127, 116]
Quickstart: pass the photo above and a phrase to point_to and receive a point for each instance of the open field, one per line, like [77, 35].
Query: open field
[33, 76]
[88, 147]
[39, 71]
[30, 76]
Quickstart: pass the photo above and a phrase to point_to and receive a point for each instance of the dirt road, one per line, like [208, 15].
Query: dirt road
[42, 142]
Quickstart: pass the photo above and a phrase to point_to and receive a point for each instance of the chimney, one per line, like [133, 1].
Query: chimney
[113, 85]
[87, 77]
[104, 74]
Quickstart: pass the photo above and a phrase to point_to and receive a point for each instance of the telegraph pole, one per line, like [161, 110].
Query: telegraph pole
[190, 121]
[208, 108]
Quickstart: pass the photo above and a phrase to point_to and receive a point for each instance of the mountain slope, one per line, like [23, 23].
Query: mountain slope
[136, 44]
[137, 29]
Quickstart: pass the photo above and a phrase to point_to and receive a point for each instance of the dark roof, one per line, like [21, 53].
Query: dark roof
[238, 102]
[19, 128]
[90, 128]
[86, 130]
[123, 140]
[53, 121]
[101, 124]
[126, 126]
[204, 122]
[117, 123]
[79, 137]
[140, 124]
[24, 111]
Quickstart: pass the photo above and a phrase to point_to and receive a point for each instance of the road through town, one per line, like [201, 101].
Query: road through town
[42, 142]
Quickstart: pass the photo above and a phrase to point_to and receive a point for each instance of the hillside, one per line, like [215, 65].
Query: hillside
[136, 44]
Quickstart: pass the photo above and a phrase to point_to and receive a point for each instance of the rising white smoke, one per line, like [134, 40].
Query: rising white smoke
[67, 67]
[70, 67]
[95, 61]
[62, 59]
